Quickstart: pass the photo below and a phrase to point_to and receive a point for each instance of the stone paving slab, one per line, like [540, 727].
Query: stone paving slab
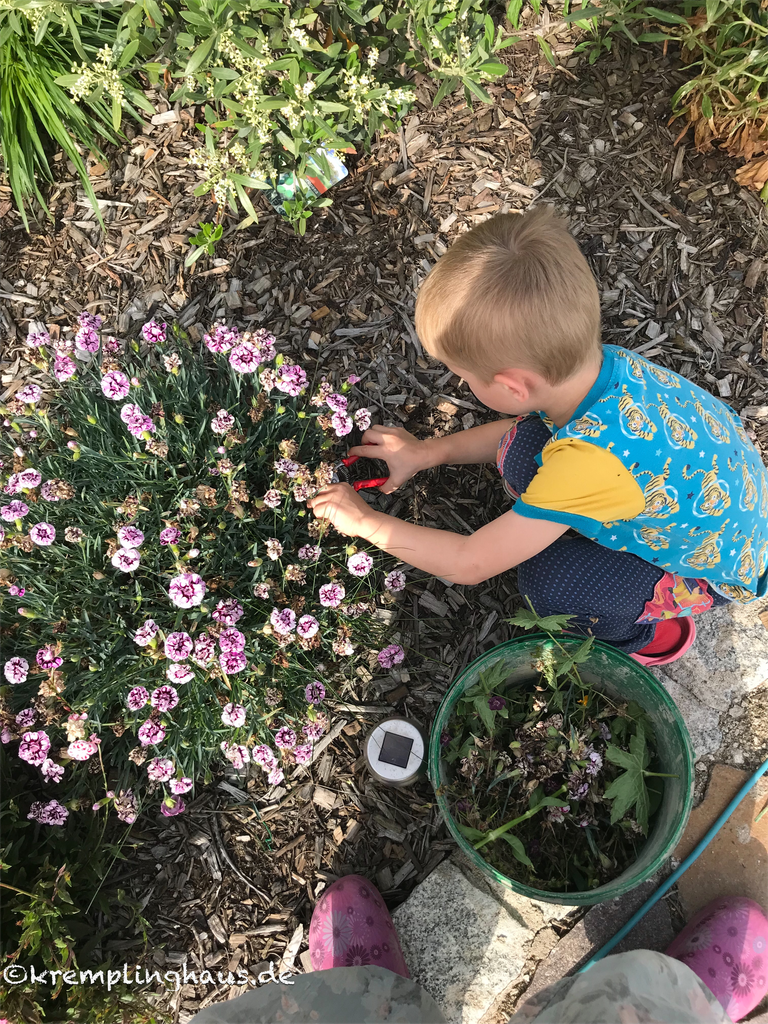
[729, 658]
[463, 945]
[736, 861]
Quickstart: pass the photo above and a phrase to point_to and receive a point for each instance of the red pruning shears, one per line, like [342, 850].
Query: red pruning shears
[359, 485]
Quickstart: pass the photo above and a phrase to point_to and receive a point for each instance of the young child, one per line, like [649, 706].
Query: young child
[666, 493]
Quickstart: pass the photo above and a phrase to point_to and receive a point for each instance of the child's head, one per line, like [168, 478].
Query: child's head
[513, 293]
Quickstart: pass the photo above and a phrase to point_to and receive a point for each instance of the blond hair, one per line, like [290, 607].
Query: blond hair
[514, 292]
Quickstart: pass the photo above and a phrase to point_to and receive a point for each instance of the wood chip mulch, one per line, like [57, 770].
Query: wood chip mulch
[678, 252]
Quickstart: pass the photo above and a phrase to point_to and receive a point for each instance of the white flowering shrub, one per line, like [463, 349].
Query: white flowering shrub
[294, 76]
[168, 601]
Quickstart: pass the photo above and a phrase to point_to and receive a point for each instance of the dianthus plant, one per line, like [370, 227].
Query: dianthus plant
[168, 600]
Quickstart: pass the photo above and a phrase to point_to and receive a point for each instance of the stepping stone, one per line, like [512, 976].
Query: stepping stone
[729, 658]
[463, 945]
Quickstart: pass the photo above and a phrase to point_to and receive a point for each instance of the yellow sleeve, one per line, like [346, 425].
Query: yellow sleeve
[582, 479]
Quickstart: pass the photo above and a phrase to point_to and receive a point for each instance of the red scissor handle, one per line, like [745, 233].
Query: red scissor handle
[376, 481]
[364, 485]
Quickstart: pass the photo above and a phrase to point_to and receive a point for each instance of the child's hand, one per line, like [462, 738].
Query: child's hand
[342, 506]
[403, 453]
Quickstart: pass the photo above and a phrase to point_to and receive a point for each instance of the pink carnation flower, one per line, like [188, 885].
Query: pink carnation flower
[313, 731]
[221, 338]
[303, 754]
[87, 340]
[171, 806]
[51, 813]
[126, 559]
[52, 772]
[47, 657]
[272, 498]
[231, 639]
[236, 753]
[81, 750]
[234, 715]
[291, 379]
[26, 718]
[64, 368]
[274, 548]
[222, 422]
[151, 733]
[283, 620]
[178, 646]
[314, 692]
[179, 786]
[115, 385]
[309, 553]
[16, 510]
[130, 536]
[42, 534]
[395, 581]
[137, 698]
[37, 339]
[336, 402]
[285, 738]
[342, 424]
[160, 769]
[363, 419]
[245, 358]
[179, 674]
[187, 590]
[331, 595]
[205, 650]
[164, 698]
[307, 626]
[145, 633]
[276, 776]
[264, 756]
[29, 478]
[170, 535]
[233, 662]
[391, 656]
[360, 564]
[15, 670]
[228, 611]
[153, 332]
[34, 747]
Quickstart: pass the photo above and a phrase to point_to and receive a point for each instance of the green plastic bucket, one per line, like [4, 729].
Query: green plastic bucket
[622, 677]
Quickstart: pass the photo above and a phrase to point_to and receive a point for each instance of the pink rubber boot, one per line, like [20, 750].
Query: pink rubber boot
[673, 637]
[351, 927]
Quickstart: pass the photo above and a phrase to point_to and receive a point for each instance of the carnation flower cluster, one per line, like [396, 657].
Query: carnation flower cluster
[177, 605]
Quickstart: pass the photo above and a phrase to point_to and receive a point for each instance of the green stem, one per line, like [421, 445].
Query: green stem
[515, 821]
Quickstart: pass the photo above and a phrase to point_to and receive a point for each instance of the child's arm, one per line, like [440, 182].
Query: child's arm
[493, 549]
[405, 455]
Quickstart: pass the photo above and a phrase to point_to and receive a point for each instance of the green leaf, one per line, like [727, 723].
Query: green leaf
[199, 55]
[128, 53]
[667, 16]
[528, 619]
[567, 663]
[518, 850]
[584, 13]
[706, 106]
[472, 834]
[514, 7]
[493, 68]
[547, 51]
[487, 716]
[629, 790]
[476, 89]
